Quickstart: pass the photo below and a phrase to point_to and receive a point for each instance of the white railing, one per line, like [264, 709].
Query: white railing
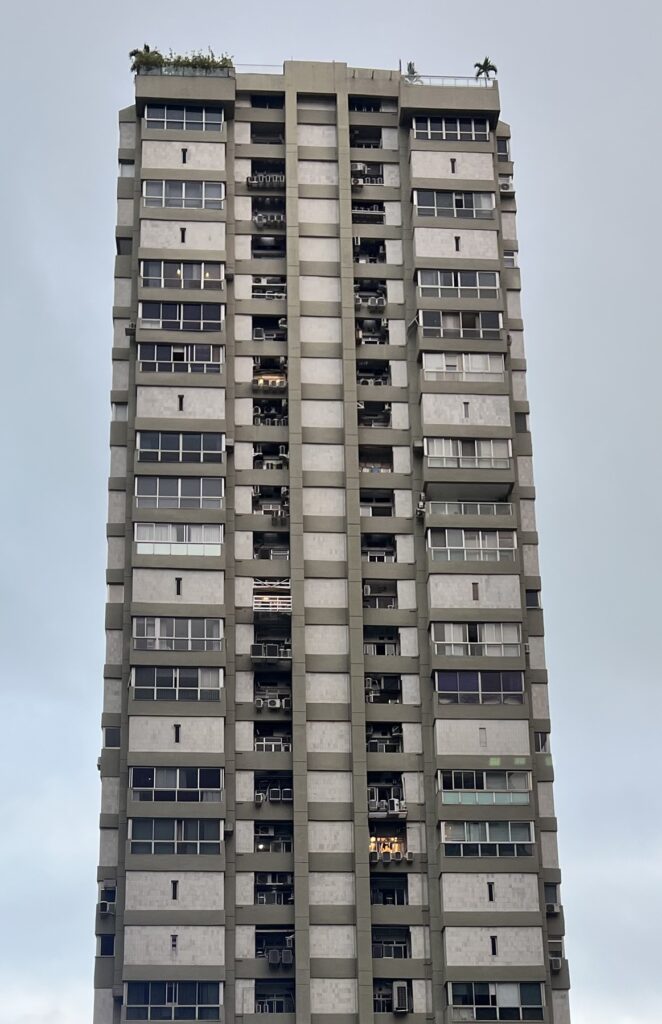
[475, 797]
[377, 555]
[477, 650]
[467, 462]
[472, 554]
[475, 375]
[157, 548]
[469, 508]
[450, 80]
[259, 69]
[271, 603]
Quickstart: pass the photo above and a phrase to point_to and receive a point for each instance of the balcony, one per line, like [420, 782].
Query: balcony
[271, 287]
[383, 689]
[365, 137]
[267, 134]
[270, 456]
[380, 594]
[366, 174]
[274, 789]
[469, 508]
[271, 651]
[389, 891]
[275, 946]
[364, 212]
[267, 174]
[379, 504]
[385, 796]
[274, 888]
[270, 413]
[270, 374]
[268, 247]
[391, 943]
[383, 739]
[269, 328]
[375, 460]
[272, 739]
[270, 547]
[272, 596]
[370, 331]
[374, 414]
[373, 373]
[388, 843]
[370, 294]
[273, 997]
[369, 250]
[378, 548]
[268, 211]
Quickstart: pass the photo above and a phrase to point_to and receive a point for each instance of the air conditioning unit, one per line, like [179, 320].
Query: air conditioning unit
[506, 186]
[258, 799]
[273, 957]
[397, 856]
[273, 703]
[275, 794]
[287, 796]
[400, 997]
[370, 696]
[106, 908]
[555, 964]
[552, 909]
[357, 181]
[271, 650]
[358, 168]
[259, 703]
[258, 334]
[373, 856]
[386, 856]
[409, 856]
[373, 805]
[287, 957]
[366, 590]
[286, 703]
[394, 805]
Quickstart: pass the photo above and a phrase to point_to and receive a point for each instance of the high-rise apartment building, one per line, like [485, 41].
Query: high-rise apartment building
[326, 774]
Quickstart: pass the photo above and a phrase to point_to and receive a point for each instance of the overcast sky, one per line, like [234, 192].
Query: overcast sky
[580, 85]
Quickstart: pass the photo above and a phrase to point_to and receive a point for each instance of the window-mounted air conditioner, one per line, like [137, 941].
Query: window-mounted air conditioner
[552, 908]
[400, 997]
[555, 963]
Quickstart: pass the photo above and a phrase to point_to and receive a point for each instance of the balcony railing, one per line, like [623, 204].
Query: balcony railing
[272, 603]
[377, 555]
[271, 651]
[477, 650]
[469, 508]
[465, 375]
[272, 744]
[453, 82]
[472, 554]
[187, 72]
[467, 462]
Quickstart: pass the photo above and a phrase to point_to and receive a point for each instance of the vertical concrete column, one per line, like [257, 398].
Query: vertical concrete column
[299, 740]
[355, 589]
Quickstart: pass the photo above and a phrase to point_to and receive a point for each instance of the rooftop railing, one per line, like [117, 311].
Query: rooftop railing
[173, 69]
[453, 81]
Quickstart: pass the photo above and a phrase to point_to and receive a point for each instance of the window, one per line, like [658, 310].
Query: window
[458, 545]
[509, 258]
[484, 787]
[178, 538]
[174, 835]
[106, 945]
[126, 169]
[153, 633]
[181, 274]
[472, 205]
[124, 246]
[532, 598]
[476, 687]
[177, 117]
[181, 316]
[184, 785]
[175, 358]
[167, 446]
[464, 366]
[458, 453]
[119, 412]
[435, 323]
[487, 838]
[454, 129]
[180, 491]
[477, 639]
[503, 149]
[184, 195]
[164, 682]
[111, 736]
[173, 1000]
[495, 1000]
[458, 284]
[541, 743]
[267, 102]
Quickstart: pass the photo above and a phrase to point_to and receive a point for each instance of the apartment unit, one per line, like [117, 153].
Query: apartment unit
[326, 771]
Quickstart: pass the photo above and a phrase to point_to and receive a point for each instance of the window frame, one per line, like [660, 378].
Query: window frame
[195, 357]
[180, 688]
[180, 792]
[148, 635]
[180, 451]
[471, 324]
[174, 545]
[490, 639]
[468, 453]
[479, 693]
[181, 112]
[181, 280]
[463, 205]
[182, 501]
[161, 193]
[449, 129]
[179, 840]
[178, 316]
[482, 552]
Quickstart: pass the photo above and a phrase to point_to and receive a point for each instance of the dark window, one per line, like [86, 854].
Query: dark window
[533, 599]
[124, 246]
[522, 422]
[106, 945]
[111, 736]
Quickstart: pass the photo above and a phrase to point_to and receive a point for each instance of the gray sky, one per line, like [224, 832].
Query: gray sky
[578, 84]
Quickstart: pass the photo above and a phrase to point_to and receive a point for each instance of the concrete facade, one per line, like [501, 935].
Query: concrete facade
[366, 844]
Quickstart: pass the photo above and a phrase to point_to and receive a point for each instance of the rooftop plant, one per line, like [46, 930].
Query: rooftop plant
[150, 57]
